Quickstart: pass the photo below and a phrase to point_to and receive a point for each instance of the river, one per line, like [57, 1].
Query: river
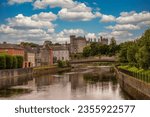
[85, 83]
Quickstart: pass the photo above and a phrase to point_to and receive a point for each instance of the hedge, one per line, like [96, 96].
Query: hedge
[15, 62]
[2, 61]
[10, 62]
[19, 61]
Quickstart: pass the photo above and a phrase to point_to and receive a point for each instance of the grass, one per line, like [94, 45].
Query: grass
[44, 67]
[138, 72]
[134, 69]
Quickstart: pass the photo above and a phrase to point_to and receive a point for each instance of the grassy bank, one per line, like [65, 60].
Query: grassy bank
[136, 72]
[134, 69]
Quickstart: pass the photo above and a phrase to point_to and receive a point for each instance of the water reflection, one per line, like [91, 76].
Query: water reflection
[85, 83]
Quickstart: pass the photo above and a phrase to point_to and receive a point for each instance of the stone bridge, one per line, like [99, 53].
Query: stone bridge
[101, 59]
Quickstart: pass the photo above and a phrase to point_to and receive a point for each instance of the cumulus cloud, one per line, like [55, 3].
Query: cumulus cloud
[133, 17]
[6, 29]
[91, 35]
[24, 22]
[78, 12]
[34, 28]
[120, 33]
[122, 27]
[66, 14]
[41, 4]
[11, 2]
[107, 18]
[43, 16]
[70, 10]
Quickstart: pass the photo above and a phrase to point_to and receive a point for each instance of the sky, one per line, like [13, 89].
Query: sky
[55, 20]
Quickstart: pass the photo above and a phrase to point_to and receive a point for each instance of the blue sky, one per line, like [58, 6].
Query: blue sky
[40, 20]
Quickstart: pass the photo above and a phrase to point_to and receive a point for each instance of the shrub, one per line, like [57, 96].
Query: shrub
[68, 64]
[19, 61]
[15, 63]
[9, 61]
[61, 64]
[2, 61]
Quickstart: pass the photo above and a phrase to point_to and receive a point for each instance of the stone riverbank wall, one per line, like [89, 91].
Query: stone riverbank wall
[135, 88]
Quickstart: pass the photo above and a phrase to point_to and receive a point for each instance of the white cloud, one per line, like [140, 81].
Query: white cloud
[23, 22]
[41, 4]
[6, 29]
[103, 34]
[107, 18]
[66, 14]
[98, 14]
[35, 28]
[43, 16]
[71, 10]
[122, 27]
[91, 35]
[120, 33]
[79, 12]
[11, 2]
[133, 17]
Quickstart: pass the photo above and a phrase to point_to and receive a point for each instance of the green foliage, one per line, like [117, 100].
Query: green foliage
[63, 64]
[143, 57]
[9, 61]
[29, 44]
[19, 61]
[87, 51]
[94, 49]
[2, 61]
[68, 64]
[123, 55]
[15, 63]
[137, 53]
[113, 46]
[131, 52]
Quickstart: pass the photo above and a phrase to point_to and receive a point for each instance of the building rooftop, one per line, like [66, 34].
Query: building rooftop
[10, 46]
[60, 47]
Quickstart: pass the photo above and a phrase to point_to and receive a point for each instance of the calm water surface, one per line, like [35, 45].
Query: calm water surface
[89, 83]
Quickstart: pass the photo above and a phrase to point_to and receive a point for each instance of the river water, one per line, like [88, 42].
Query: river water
[86, 83]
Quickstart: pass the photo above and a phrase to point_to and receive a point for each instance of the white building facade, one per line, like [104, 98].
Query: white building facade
[60, 53]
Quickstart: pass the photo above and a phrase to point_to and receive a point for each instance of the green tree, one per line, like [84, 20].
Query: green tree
[123, 55]
[94, 48]
[103, 49]
[15, 64]
[9, 61]
[112, 46]
[143, 57]
[2, 61]
[131, 52]
[87, 51]
[60, 63]
[19, 61]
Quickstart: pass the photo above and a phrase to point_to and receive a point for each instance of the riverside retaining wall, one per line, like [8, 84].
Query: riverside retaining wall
[135, 88]
[13, 77]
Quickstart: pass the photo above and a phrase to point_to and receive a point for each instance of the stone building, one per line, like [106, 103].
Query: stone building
[77, 44]
[60, 52]
[29, 57]
[43, 55]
